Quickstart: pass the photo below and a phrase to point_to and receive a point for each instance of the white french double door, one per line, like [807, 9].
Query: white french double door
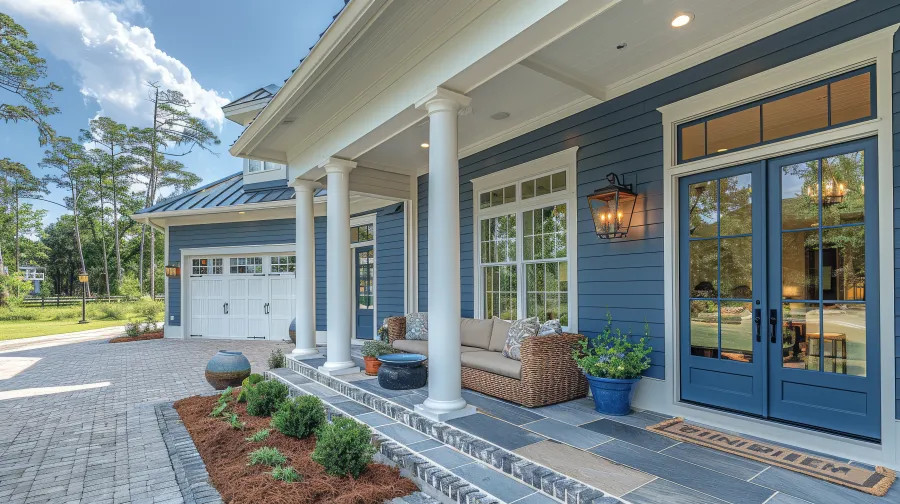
[241, 306]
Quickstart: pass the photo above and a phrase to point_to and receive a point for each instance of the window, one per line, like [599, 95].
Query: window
[827, 104]
[206, 266]
[246, 265]
[254, 166]
[523, 246]
[362, 233]
[282, 264]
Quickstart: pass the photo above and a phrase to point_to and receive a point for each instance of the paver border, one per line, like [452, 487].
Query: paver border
[190, 471]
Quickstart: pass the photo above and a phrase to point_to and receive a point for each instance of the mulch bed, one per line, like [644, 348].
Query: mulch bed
[142, 337]
[224, 451]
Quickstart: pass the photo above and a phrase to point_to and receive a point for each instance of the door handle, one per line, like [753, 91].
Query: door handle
[225, 307]
[266, 308]
[773, 323]
[757, 318]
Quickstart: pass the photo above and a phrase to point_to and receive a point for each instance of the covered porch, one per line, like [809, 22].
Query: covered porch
[565, 452]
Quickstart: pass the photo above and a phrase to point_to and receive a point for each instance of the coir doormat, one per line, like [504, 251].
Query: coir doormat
[875, 482]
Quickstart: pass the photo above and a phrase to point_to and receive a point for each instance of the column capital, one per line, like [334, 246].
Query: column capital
[443, 100]
[301, 185]
[337, 165]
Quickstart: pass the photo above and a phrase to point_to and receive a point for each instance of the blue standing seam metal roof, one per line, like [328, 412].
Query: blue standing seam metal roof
[226, 192]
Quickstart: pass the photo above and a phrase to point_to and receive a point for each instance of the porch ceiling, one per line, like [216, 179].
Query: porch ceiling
[585, 67]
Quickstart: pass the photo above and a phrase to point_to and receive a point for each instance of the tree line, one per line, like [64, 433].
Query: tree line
[104, 174]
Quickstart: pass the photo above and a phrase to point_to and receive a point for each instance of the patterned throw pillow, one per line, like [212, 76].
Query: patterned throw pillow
[550, 328]
[417, 326]
[519, 331]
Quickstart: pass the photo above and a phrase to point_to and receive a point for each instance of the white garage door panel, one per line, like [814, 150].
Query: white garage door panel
[208, 297]
[238, 310]
[281, 306]
[257, 297]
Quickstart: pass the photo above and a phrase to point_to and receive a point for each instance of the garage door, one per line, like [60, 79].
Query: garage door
[241, 297]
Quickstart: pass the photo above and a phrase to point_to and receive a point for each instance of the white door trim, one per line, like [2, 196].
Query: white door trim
[361, 220]
[876, 47]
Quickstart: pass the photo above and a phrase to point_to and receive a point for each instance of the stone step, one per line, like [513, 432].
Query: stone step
[548, 484]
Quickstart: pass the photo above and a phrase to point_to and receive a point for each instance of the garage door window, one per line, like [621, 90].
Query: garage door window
[283, 264]
[246, 265]
[203, 266]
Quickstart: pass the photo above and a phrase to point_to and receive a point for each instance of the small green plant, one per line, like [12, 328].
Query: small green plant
[249, 382]
[299, 417]
[219, 410]
[613, 355]
[286, 473]
[226, 396]
[343, 447]
[235, 422]
[267, 456]
[258, 436]
[276, 359]
[377, 348]
[265, 398]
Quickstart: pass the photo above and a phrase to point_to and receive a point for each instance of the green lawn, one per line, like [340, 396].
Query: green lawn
[19, 322]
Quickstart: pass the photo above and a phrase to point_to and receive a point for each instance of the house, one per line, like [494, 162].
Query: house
[440, 157]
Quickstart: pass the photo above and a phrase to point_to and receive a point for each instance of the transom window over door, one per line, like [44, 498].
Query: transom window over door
[524, 237]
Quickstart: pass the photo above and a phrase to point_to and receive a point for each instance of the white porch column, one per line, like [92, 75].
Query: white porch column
[445, 400]
[305, 282]
[338, 267]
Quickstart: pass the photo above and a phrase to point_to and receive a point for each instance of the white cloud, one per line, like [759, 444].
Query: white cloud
[113, 57]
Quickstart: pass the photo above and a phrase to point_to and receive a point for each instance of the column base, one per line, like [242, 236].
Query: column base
[339, 368]
[443, 416]
[306, 353]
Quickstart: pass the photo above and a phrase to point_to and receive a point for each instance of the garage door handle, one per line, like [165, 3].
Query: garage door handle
[225, 308]
[266, 308]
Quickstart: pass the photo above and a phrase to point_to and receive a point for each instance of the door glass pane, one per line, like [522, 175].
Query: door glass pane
[844, 263]
[795, 114]
[851, 98]
[800, 335]
[736, 205]
[800, 195]
[737, 268]
[843, 194]
[737, 330]
[844, 338]
[703, 265]
[800, 265]
[732, 131]
[704, 209]
[705, 328]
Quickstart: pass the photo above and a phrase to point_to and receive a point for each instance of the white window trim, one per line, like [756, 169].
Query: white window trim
[877, 48]
[563, 160]
[362, 220]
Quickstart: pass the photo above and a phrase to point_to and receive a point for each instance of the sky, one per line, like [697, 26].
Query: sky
[103, 51]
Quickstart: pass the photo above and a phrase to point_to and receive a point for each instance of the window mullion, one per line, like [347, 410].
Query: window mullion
[520, 268]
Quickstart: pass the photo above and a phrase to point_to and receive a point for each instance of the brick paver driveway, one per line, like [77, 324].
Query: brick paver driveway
[77, 422]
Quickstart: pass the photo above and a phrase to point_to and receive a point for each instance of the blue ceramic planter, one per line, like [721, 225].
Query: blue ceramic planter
[227, 369]
[612, 396]
[292, 331]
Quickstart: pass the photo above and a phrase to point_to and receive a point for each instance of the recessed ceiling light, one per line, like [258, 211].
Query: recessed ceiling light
[242, 213]
[722, 150]
[499, 116]
[424, 145]
[682, 19]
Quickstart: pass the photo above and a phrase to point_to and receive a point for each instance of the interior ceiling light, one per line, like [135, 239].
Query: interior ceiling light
[424, 145]
[682, 19]
[499, 116]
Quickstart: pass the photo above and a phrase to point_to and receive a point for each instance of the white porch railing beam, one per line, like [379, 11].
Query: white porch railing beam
[445, 400]
[305, 271]
[338, 267]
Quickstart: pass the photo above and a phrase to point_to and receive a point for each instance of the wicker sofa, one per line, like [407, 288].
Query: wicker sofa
[546, 375]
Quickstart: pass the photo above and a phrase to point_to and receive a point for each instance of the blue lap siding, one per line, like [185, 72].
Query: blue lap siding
[390, 253]
[624, 135]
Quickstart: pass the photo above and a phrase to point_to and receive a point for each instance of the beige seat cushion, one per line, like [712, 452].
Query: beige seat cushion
[498, 335]
[493, 362]
[421, 347]
[412, 346]
[475, 332]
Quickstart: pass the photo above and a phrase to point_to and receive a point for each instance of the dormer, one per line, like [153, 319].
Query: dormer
[265, 173]
[244, 110]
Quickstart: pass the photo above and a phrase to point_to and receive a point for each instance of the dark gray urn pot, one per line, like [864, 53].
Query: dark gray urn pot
[227, 369]
[292, 331]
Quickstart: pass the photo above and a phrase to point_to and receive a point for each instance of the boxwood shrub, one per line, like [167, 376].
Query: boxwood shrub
[248, 383]
[265, 398]
[299, 417]
[343, 447]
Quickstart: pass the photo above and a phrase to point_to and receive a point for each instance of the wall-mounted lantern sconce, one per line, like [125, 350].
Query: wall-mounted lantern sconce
[173, 270]
[612, 207]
